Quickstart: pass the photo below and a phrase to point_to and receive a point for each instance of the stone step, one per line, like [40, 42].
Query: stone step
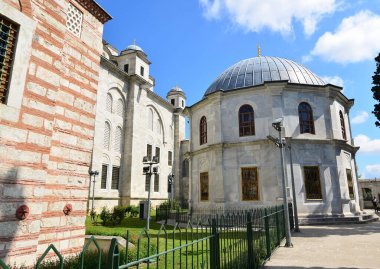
[338, 220]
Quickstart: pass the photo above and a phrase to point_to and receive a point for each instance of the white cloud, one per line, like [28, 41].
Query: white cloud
[372, 170]
[211, 9]
[356, 39]
[276, 15]
[367, 145]
[360, 118]
[335, 80]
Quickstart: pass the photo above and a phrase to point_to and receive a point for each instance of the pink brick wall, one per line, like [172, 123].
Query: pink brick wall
[45, 152]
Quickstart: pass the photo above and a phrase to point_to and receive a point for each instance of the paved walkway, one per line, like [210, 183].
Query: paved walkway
[327, 247]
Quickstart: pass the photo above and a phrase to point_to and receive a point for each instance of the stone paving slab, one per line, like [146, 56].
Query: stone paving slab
[327, 247]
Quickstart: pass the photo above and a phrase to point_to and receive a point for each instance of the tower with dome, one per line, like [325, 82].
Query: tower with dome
[234, 164]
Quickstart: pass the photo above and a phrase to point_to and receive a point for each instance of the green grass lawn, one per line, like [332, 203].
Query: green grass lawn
[159, 241]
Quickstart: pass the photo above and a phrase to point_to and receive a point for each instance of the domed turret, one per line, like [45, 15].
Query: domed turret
[134, 47]
[177, 97]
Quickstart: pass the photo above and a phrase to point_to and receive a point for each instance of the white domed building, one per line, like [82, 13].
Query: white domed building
[234, 165]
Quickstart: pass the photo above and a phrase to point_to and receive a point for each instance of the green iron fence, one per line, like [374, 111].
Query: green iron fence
[242, 239]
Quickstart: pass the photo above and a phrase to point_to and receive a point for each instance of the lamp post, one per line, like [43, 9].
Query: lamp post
[94, 174]
[277, 125]
[171, 181]
[296, 225]
[149, 170]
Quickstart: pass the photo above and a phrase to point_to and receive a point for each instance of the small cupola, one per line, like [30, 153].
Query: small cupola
[176, 97]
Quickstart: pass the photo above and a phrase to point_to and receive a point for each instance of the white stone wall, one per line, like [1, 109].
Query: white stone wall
[109, 83]
[139, 100]
[225, 152]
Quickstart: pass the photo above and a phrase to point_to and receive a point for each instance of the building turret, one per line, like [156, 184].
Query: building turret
[134, 61]
[177, 97]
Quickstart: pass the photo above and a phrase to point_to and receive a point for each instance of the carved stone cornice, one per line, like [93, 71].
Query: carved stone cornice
[96, 10]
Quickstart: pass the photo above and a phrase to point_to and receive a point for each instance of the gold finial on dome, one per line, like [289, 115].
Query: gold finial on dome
[258, 50]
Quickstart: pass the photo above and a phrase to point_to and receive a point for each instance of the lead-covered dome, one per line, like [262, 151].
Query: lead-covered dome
[257, 70]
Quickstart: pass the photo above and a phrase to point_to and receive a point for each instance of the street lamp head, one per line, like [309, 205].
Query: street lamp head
[155, 159]
[94, 173]
[155, 170]
[146, 170]
[277, 124]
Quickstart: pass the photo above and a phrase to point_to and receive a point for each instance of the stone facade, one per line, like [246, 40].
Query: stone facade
[146, 119]
[47, 125]
[226, 153]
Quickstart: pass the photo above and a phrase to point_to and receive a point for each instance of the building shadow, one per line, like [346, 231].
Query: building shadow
[12, 196]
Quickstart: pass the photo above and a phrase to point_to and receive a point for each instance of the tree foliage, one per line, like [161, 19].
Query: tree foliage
[376, 90]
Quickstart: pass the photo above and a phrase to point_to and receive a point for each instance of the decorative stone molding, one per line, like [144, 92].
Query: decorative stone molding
[96, 10]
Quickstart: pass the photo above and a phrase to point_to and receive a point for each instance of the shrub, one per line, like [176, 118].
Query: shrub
[132, 211]
[105, 216]
[118, 214]
[175, 205]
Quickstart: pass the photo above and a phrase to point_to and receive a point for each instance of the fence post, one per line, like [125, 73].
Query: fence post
[113, 260]
[177, 215]
[214, 247]
[267, 235]
[3, 265]
[251, 254]
[278, 226]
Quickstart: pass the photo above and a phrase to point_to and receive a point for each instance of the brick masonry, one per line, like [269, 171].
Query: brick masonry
[46, 143]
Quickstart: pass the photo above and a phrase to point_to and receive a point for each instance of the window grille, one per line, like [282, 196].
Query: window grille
[115, 177]
[109, 103]
[342, 126]
[103, 183]
[204, 186]
[305, 114]
[8, 35]
[156, 183]
[312, 183]
[74, 20]
[350, 184]
[249, 184]
[246, 121]
[120, 108]
[106, 139]
[203, 131]
[118, 139]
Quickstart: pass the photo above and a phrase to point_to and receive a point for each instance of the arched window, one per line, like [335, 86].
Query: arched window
[159, 126]
[203, 131]
[106, 139]
[109, 103]
[246, 121]
[150, 119]
[120, 108]
[305, 114]
[342, 126]
[118, 139]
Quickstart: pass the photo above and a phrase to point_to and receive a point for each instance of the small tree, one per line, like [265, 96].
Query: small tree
[376, 90]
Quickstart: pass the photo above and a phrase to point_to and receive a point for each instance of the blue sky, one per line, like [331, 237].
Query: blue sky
[190, 42]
